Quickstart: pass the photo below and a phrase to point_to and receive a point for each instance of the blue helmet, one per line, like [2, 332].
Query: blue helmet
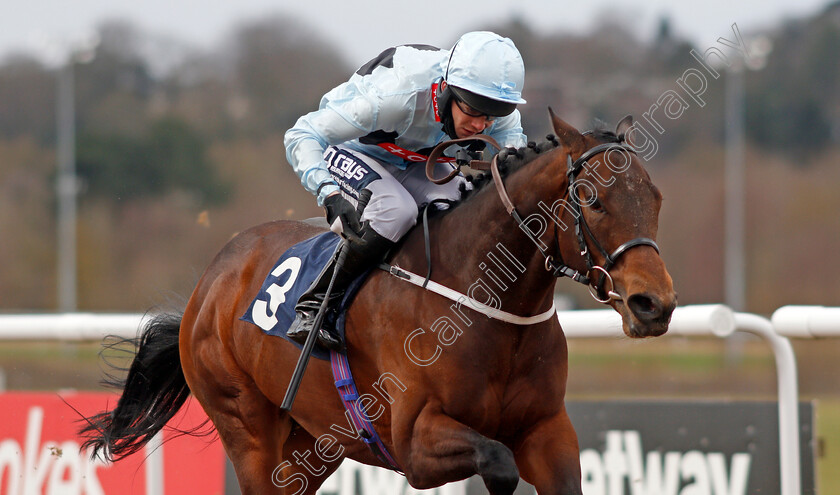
[486, 71]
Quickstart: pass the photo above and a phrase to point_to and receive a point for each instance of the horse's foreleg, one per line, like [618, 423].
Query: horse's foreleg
[440, 449]
[548, 457]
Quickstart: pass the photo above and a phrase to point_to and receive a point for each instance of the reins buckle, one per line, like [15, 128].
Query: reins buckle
[395, 271]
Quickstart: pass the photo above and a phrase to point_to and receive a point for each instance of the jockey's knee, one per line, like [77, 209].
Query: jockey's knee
[391, 213]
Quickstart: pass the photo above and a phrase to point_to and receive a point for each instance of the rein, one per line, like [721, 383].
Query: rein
[597, 277]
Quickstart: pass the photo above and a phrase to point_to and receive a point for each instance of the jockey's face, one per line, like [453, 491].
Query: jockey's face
[467, 125]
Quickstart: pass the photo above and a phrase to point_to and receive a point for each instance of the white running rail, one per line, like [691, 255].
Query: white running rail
[698, 320]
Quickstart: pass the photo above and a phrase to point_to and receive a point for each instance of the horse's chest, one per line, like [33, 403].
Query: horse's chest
[501, 408]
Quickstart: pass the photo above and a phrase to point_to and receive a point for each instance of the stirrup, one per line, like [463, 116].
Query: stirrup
[329, 340]
[303, 324]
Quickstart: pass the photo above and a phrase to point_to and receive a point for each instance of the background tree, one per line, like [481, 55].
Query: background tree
[282, 71]
[179, 149]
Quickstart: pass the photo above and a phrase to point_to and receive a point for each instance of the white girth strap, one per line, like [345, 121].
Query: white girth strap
[482, 308]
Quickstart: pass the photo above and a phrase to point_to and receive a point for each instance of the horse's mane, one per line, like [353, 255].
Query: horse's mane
[600, 132]
[512, 159]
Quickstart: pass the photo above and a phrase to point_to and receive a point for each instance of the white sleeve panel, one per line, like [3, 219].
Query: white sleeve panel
[347, 112]
[508, 131]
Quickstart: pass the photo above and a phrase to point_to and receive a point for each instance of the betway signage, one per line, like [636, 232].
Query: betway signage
[39, 452]
[623, 461]
[685, 448]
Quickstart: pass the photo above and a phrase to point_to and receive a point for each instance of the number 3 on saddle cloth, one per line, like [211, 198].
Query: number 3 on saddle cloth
[273, 310]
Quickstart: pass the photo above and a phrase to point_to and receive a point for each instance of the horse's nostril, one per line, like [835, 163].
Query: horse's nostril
[645, 307]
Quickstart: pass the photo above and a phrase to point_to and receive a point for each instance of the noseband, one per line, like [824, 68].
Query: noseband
[597, 277]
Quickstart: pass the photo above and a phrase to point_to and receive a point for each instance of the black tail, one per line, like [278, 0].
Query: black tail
[153, 391]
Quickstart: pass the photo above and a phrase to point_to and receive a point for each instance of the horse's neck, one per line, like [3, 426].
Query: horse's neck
[485, 246]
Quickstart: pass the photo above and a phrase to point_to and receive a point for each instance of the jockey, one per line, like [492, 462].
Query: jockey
[373, 132]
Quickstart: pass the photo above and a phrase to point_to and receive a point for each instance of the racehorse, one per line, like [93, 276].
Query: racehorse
[451, 391]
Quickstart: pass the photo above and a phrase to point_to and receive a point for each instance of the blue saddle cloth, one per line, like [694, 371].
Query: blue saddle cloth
[273, 309]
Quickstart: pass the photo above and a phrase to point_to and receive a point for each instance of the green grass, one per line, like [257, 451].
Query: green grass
[828, 433]
[14, 351]
[52, 366]
[681, 360]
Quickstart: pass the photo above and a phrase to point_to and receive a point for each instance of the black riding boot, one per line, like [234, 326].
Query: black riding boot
[360, 257]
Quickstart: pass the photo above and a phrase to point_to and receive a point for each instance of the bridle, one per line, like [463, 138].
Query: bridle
[559, 268]
[597, 277]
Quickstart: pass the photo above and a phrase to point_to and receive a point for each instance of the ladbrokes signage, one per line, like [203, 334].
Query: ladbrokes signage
[39, 452]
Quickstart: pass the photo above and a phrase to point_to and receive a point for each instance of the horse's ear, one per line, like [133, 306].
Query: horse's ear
[568, 135]
[623, 127]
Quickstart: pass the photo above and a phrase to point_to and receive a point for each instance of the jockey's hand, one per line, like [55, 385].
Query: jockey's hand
[343, 217]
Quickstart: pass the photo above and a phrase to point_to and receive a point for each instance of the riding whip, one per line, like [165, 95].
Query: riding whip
[306, 352]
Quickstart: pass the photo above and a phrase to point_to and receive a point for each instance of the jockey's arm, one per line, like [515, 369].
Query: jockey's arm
[347, 112]
[305, 145]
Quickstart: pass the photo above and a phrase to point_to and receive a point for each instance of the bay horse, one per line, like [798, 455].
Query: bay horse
[451, 392]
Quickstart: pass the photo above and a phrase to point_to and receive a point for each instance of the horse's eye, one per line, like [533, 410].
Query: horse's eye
[597, 206]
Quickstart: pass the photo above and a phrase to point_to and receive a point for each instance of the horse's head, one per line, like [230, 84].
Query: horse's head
[614, 208]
